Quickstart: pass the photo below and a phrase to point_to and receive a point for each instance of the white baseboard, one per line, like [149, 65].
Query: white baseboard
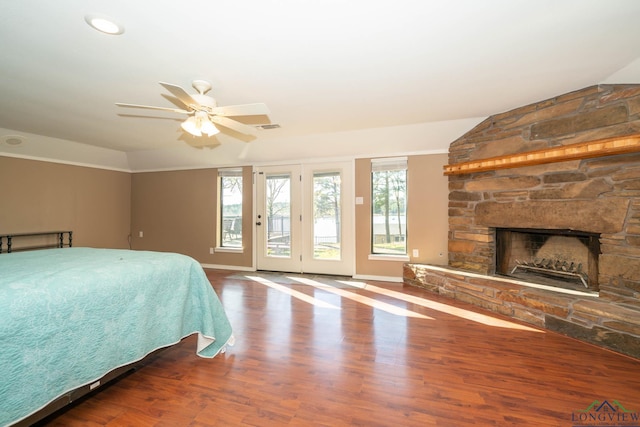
[356, 276]
[378, 278]
[228, 267]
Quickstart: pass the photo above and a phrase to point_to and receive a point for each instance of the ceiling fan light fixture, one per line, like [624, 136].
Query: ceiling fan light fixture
[198, 124]
[191, 126]
[209, 128]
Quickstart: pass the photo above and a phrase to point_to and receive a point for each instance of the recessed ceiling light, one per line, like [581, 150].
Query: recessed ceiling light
[13, 139]
[104, 24]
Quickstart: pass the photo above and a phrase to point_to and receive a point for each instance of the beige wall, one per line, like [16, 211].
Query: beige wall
[427, 216]
[43, 196]
[177, 212]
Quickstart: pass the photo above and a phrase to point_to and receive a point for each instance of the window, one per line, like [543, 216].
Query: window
[389, 206]
[230, 191]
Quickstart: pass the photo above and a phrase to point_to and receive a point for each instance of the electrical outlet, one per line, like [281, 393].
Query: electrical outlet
[416, 253]
[211, 251]
[140, 234]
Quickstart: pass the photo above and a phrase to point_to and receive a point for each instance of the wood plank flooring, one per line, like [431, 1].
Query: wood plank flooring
[313, 351]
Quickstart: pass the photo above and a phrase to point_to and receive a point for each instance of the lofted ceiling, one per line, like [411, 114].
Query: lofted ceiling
[341, 78]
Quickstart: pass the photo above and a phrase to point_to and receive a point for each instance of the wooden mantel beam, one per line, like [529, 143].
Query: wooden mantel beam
[578, 151]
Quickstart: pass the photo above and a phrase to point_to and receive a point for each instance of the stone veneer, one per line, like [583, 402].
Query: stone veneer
[598, 195]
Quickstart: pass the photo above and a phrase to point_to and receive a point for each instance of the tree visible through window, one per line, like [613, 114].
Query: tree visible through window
[278, 194]
[389, 206]
[326, 215]
[230, 207]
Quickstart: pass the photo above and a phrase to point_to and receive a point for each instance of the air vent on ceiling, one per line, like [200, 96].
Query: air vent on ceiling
[269, 126]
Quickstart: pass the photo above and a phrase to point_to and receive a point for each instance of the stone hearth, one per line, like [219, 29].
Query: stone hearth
[582, 316]
[599, 195]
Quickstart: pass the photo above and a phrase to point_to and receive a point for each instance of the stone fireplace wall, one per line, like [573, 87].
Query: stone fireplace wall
[596, 195]
[599, 195]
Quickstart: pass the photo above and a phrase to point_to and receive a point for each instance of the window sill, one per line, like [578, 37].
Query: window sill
[387, 257]
[226, 249]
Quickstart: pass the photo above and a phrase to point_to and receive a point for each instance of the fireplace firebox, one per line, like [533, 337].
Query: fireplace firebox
[562, 258]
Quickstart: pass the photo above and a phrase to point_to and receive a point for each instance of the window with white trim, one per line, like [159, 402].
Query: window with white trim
[389, 206]
[230, 191]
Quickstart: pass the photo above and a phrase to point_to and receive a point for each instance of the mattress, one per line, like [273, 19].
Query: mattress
[69, 316]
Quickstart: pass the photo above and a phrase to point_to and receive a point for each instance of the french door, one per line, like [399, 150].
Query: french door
[303, 218]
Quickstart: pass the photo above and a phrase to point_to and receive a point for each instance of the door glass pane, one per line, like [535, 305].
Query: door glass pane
[278, 207]
[326, 215]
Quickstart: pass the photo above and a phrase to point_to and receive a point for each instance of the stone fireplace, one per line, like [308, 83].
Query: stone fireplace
[535, 198]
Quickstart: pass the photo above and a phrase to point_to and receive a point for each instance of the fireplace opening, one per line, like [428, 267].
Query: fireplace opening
[566, 259]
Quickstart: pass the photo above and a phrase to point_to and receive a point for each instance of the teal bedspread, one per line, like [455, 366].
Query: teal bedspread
[69, 316]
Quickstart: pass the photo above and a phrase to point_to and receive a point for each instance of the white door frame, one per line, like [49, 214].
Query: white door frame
[301, 259]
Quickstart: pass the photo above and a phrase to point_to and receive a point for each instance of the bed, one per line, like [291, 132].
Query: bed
[71, 316]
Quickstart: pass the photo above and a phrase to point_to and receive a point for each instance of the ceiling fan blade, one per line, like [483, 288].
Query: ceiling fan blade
[242, 110]
[149, 107]
[232, 124]
[180, 93]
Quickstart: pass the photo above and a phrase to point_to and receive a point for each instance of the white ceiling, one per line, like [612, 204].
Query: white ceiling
[341, 78]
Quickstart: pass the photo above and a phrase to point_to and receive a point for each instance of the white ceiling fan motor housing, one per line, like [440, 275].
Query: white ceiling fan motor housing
[204, 100]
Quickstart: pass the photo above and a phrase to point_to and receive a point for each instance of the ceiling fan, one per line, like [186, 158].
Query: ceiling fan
[204, 113]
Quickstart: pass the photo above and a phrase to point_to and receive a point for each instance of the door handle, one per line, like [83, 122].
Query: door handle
[258, 223]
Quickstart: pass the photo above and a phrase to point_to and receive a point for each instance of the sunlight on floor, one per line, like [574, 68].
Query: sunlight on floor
[327, 286]
[296, 294]
[361, 299]
[444, 308]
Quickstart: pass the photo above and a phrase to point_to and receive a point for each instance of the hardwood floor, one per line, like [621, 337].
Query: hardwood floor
[412, 360]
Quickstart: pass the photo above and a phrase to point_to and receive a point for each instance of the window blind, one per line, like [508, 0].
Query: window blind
[389, 164]
[230, 172]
